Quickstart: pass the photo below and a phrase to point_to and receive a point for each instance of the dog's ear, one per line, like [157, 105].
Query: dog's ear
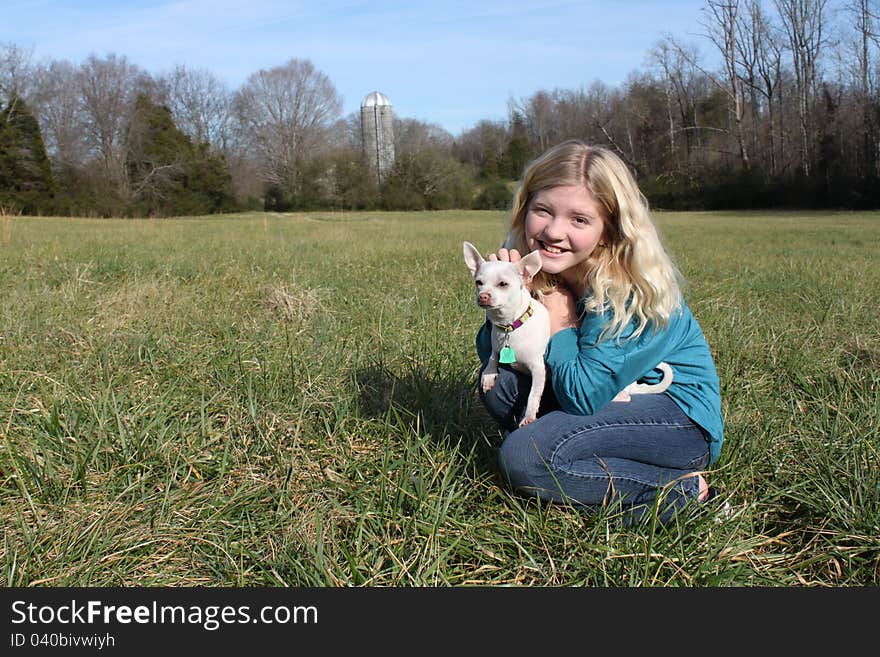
[529, 265]
[472, 258]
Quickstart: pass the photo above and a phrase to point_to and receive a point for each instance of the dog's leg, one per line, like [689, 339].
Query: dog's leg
[490, 374]
[539, 375]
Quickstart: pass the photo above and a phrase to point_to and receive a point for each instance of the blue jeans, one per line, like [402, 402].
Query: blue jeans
[627, 452]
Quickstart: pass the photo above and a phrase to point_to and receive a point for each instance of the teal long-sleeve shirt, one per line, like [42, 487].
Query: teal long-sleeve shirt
[586, 374]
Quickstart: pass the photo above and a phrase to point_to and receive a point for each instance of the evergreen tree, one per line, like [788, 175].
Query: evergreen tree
[515, 158]
[26, 182]
[169, 174]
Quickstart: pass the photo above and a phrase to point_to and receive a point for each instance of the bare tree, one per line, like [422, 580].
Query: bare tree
[663, 56]
[282, 114]
[722, 31]
[677, 66]
[108, 88]
[424, 166]
[59, 105]
[863, 14]
[201, 105]
[804, 23]
[16, 72]
[538, 113]
[609, 121]
[483, 146]
[570, 113]
[348, 133]
[761, 54]
[412, 135]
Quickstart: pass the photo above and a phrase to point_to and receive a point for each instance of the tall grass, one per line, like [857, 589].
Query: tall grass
[6, 217]
[289, 400]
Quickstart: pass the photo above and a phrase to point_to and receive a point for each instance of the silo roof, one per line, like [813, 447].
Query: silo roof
[375, 99]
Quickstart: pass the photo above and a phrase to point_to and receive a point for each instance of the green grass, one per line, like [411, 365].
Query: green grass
[262, 400]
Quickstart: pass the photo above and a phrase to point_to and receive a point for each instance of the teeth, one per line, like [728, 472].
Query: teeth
[551, 249]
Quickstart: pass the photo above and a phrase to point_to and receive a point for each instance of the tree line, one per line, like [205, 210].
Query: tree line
[786, 114]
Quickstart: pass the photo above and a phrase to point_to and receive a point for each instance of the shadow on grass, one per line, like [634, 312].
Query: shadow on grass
[442, 405]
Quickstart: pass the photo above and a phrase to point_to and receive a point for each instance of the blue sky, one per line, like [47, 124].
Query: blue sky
[452, 63]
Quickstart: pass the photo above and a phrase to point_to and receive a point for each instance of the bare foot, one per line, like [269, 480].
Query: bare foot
[704, 488]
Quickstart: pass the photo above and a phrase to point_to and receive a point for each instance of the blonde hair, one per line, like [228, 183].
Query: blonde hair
[629, 272]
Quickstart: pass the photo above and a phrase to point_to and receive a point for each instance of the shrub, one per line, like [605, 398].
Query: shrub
[495, 195]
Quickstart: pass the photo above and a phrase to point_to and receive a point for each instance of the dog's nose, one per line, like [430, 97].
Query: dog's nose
[483, 297]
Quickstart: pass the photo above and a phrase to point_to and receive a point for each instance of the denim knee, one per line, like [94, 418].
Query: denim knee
[503, 401]
[521, 463]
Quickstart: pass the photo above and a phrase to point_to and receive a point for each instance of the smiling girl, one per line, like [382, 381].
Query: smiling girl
[616, 312]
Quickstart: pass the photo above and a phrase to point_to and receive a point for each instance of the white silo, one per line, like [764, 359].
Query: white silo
[377, 131]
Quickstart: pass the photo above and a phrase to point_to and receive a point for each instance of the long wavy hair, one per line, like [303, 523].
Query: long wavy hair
[629, 273]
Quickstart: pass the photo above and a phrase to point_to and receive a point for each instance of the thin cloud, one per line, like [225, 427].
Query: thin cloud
[452, 63]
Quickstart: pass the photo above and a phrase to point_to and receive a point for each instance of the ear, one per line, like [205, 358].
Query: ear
[530, 265]
[472, 258]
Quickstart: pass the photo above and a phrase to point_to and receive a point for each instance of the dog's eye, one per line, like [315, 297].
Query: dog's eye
[478, 282]
[503, 284]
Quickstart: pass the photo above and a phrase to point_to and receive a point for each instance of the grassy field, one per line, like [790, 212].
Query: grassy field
[265, 400]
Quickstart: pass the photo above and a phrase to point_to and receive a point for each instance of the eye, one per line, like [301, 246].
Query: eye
[503, 284]
[478, 282]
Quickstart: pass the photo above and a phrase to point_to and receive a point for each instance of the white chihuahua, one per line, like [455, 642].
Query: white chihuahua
[520, 324]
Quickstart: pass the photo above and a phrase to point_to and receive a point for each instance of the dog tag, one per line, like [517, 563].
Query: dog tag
[506, 356]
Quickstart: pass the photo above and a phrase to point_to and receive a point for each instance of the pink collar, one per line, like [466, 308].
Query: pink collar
[517, 322]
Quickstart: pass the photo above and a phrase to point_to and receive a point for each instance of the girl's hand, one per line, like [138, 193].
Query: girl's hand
[506, 256]
[510, 256]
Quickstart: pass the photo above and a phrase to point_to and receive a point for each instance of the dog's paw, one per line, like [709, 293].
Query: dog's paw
[488, 381]
[527, 420]
[622, 396]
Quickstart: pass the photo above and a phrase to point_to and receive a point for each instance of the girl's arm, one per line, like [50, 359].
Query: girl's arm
[586, 376]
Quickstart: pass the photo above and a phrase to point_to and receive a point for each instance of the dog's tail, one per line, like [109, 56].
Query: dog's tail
[649, 389]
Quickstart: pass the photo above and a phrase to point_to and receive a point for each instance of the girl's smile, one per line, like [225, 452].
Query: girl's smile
[565, 224]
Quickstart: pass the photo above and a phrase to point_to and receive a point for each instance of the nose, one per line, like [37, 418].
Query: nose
[552, 231]
[483, 297]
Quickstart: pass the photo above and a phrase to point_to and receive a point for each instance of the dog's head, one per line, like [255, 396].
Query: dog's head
[500, 283]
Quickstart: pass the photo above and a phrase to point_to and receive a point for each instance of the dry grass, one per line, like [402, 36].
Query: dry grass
[6, 217]
[294, 304]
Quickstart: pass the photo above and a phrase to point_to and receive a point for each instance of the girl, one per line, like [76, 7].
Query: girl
[616, 311]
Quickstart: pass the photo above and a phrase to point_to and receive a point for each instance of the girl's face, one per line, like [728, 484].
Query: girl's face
[564, 224]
